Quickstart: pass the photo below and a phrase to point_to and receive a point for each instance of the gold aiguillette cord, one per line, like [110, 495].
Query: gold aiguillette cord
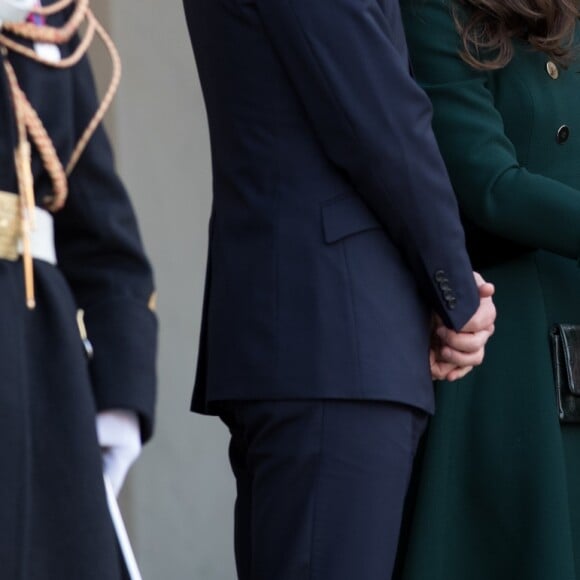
[29, 123]
[22, 162]
[27, 219]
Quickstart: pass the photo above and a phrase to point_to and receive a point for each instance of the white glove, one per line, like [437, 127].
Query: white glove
[15, 10]
[119, 436]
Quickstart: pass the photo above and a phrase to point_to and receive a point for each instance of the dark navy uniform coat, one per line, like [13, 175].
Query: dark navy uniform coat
[54, 522]
[334, 232]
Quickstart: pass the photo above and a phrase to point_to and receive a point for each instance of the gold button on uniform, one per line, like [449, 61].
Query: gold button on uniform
[153, 302]
[552, 69]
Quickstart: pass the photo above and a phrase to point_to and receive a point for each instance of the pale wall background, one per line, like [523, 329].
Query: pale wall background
[178, 500]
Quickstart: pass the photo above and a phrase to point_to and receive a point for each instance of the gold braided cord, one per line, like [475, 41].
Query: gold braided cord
[22, 154]
[46, 150]
[29, 123]
[18, 112]
[107, 99]
[22, 162]
[34, 125]
[67, 62]
[50, 34]
[53, 8]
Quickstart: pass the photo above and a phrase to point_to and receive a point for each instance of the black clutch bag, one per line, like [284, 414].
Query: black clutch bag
[565, 345]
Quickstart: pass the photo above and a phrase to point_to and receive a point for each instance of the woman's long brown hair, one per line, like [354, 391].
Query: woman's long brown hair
[489, 27]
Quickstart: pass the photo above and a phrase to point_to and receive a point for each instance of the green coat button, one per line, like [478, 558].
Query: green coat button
[563, 134]
[552, 69]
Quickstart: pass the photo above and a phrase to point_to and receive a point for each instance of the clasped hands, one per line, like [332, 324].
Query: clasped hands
[454, 354]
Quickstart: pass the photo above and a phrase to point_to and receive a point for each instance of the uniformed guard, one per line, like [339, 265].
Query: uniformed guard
[70, 258]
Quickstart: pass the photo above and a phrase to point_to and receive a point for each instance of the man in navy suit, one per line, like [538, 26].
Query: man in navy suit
[335, 242]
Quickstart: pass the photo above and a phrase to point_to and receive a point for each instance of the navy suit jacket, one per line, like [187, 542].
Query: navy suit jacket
[334, 231]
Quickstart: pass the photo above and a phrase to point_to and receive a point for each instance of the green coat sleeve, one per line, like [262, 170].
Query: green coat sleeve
[494, 190]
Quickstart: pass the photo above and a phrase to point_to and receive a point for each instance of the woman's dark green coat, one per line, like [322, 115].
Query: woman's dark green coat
[499, 494]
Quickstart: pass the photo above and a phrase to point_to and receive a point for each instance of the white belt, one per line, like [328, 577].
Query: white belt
[41, 236]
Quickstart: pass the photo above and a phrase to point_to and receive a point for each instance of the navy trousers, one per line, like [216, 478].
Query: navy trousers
[321, 486]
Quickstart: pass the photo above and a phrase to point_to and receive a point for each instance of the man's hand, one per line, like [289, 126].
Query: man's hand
[441, 371]
[119, 436]
[484, 317]
[454, 354]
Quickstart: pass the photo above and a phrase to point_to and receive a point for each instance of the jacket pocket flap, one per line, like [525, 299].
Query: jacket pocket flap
[345, 216]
